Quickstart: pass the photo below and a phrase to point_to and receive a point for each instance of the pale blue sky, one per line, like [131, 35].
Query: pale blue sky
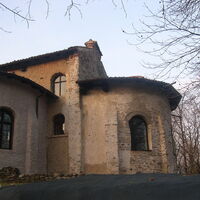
[101, 21]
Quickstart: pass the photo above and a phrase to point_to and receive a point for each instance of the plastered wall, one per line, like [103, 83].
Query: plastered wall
[97, 135]
[65, 151]
[28, 152]
[59, 148]
[106, 133]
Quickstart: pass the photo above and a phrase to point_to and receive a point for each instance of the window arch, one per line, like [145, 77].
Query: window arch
[59, 124]
[6, 128]
[139, 137]
[58, 84]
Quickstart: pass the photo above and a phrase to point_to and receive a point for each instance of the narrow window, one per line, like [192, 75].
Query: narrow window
[138, 128]
[59, 124]
[6, 129]
[59, 84]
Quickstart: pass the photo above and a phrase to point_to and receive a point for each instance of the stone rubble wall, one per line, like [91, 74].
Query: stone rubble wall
[64, 152]
[97, 135]
[124, 103]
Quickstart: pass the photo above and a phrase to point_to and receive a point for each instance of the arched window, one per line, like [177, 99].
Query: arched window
[59, 124]
[58, 84]
[6, 128]
[138, 128]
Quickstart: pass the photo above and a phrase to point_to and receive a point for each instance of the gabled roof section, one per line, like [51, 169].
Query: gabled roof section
[40, 59]
[167, 89]
[11, 76]
[48, 57]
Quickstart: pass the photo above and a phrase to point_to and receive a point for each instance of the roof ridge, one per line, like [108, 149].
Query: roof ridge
[39, 59]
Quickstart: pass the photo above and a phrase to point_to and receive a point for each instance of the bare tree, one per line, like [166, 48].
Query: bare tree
[186, 132]
[17, 13]
[174, 32]
[71, 5]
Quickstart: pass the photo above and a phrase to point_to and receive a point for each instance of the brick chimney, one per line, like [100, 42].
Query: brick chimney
[91, 44]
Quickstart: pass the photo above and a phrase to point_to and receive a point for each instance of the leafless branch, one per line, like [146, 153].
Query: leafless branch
[175, 38]
[16, 12]
[4, 30]
[123, 7]
[47, 3]
[29, 8]
[113, 2]
[186, 133]
[72, 5]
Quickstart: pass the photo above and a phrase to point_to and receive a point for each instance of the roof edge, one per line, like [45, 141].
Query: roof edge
[171, 93]
[40, 59]
[28, 82]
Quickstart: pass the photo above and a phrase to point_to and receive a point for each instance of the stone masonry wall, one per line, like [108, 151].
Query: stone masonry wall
[124, 103]
[65, 151]
[58, 146]
[97, 135]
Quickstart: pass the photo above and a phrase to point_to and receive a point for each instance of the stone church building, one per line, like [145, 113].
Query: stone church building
[61, 113]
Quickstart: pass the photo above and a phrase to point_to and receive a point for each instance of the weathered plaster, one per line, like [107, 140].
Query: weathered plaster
[28, 152]
[97, 136]
[106, 113]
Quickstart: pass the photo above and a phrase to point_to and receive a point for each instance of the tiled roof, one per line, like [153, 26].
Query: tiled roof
[167, 89]
[35, 60]
[11, 76]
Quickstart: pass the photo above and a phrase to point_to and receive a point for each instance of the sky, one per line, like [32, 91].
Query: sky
[101, 21]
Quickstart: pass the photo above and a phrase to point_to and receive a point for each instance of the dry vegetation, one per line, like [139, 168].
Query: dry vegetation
[12, 176]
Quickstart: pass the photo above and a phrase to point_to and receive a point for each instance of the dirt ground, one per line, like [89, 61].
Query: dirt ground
[109, 187]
